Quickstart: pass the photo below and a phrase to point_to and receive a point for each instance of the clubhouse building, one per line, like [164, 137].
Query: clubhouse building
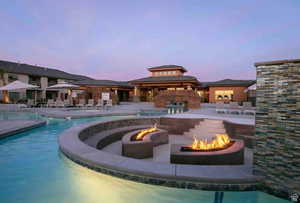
[165, 84]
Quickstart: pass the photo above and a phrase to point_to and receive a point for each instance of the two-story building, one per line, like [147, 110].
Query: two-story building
[45, 77]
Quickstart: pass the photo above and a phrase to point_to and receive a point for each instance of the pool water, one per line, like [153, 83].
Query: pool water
[34, 171]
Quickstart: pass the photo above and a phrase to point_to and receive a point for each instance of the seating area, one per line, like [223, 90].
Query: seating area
[235, 108]
[58, 103]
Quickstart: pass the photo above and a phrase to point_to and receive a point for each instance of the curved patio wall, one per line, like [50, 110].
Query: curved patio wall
[72, 144]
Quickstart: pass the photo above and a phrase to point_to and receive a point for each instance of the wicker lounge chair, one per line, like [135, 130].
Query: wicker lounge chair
[50, 103]
[59, 103]
[30, 103]
[220, 107]
[81, 103]
[109, 103]
[234, 108]
[90, 103]
[100, 103]
[248, 108]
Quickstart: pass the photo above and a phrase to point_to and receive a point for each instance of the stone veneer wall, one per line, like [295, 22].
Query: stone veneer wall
[277, 150]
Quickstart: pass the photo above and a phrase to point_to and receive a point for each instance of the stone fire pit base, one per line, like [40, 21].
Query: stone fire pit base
[233, 155]
[144, 148]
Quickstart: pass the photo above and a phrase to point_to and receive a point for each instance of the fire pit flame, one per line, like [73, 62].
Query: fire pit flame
[142, 133]
[221, 141]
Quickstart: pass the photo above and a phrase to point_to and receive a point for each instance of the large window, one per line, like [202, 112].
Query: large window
[12, 78]
[224, 95]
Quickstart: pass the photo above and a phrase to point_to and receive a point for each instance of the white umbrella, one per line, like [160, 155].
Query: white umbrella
[63, 85]
[17, 85]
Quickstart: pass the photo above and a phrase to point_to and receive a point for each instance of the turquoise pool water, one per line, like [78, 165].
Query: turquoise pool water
[34, 171]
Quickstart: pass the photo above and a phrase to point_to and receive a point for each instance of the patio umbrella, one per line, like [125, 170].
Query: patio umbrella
[64, 85]
[18, 85]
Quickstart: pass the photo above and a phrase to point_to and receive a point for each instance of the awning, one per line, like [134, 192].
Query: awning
[252, 87]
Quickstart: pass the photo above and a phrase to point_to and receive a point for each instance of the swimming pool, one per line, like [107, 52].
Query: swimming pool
[33, 170]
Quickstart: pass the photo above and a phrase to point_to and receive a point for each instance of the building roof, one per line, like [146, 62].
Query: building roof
[164, 79]
[228, 82]
[167, 67]
[110, 83]
[21, 68]
[278, 62]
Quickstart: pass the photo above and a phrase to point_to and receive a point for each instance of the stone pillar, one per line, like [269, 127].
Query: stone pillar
[136, 96]
[116, 96]
[44, 85]
[277, 149]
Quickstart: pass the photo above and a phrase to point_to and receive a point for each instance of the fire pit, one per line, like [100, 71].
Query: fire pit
[142, 133]
[221, 141]
[139, 144]
[221, 150]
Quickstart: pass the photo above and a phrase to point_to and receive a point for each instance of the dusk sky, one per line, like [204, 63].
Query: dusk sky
[118, 40]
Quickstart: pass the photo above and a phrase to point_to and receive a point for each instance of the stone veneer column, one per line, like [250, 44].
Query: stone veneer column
[277, 150]
[44, 85]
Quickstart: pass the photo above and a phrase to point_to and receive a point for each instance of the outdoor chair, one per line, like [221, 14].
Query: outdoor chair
[30, 103]
[59, 103]
[100, 103]
[67, 103]
[90, 103]
[50, 103]
[220, 107]
[234, 108]
[109, 103]
[248, 108]
[81, 103]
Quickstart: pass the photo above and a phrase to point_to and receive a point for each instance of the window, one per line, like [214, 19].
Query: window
[171, 88]
[12, 78]
[200, 93]
[224, 95]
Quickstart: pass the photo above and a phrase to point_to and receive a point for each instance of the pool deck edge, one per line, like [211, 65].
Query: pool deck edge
[19, 126]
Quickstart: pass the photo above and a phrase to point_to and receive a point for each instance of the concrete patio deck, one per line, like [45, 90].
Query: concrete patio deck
[125, 108]
[11, 127]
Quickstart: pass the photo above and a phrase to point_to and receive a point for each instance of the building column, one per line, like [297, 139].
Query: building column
[136, 96]
[44, 85]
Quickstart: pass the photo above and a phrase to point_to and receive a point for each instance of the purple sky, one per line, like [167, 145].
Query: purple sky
[119, 39]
